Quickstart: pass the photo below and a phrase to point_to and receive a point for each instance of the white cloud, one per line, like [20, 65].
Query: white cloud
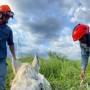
[43, 24]
[82, 14]
[65, 45]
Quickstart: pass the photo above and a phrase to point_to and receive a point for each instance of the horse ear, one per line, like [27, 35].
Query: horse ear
[35, 64]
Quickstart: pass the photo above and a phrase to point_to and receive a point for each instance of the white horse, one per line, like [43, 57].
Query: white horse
[28, 77]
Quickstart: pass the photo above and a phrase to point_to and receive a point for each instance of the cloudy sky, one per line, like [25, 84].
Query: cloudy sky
[46, 25]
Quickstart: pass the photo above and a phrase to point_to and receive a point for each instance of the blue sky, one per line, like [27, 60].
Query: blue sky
[46, 25]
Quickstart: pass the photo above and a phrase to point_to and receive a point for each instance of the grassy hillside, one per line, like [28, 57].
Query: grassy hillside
[63, 74]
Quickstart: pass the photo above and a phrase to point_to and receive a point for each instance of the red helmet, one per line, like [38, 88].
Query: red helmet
[5, 9]
[79, 31]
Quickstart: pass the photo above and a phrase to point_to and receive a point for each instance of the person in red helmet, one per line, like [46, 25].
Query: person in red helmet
[6, 38]
[81, 34]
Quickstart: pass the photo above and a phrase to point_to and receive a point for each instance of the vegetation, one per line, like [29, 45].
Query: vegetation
[63, 74]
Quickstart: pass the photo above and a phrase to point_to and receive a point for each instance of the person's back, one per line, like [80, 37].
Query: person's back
[85, 40]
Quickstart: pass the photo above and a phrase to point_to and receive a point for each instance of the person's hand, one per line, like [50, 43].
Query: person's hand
[14, 58]
[82, 76]
[14, 65]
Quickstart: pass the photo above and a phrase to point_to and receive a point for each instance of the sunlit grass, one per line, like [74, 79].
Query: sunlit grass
[62, 74]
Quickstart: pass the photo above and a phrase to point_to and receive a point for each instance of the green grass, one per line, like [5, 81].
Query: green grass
[62, 74]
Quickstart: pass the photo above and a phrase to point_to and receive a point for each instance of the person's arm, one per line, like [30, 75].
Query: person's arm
[14, 63]
[12, 49]
[11, 44]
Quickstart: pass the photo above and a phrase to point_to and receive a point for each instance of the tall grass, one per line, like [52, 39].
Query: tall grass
[63, 74]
